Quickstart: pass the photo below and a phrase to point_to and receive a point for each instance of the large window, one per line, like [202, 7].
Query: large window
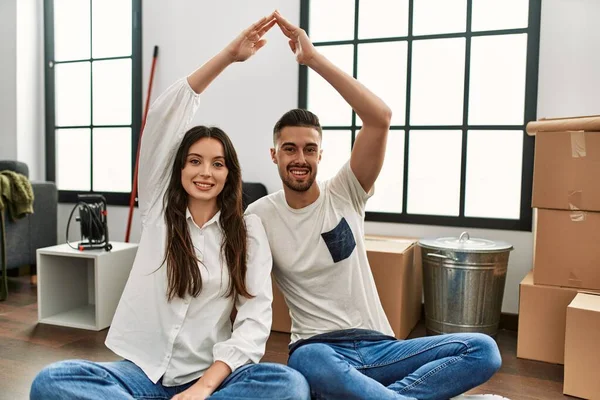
[93, 96]
[461, 79]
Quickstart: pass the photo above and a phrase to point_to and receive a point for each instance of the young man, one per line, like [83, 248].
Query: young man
[341, 339]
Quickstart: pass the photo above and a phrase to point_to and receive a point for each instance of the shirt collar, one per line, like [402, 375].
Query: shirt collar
[215, 219]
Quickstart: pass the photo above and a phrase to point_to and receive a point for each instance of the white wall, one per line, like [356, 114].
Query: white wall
[21, 84]
[569, 75]
[8, 87]
[248, 98]
[30, 89]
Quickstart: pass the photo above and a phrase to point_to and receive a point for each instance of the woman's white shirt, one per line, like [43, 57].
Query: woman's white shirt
[179, 339]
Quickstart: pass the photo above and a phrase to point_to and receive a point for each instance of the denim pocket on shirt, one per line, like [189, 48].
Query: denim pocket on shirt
[340, 241]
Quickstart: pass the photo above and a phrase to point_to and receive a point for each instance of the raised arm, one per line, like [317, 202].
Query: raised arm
[369, 148]
[171, 114]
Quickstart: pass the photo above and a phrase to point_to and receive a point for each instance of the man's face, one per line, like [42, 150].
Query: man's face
[297, 155]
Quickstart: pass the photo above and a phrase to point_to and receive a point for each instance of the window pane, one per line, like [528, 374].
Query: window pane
[437, 92]
[112, 159]
[72, 94]
[71, 30]
[382, 68]
[323, 29]
[73, 159]
[112, 92]
[434, 172]
[493, 186]
[499, 14]
[382, 18]
[389, 185]
[497, 82]
[323, 99]
[112, 27]
[439, 16]
[336, 151]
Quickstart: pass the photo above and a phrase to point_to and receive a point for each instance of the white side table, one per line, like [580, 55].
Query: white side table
[81, 289]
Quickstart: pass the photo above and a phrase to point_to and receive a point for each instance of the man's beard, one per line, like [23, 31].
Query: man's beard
[289, 181]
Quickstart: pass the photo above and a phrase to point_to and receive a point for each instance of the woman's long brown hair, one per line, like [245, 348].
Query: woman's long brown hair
[183, 272]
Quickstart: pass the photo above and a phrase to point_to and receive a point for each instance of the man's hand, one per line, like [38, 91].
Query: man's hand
[250, 40]
[299, 41]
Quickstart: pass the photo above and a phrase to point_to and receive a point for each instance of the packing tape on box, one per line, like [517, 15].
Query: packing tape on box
[575, 198]
[574, 281]
[576, 214]
[578, 144]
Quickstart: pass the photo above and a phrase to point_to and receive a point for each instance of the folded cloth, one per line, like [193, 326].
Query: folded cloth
[16, 194]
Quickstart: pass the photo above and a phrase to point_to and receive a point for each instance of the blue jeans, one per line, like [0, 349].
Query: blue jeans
[78, 379]
[362, 364]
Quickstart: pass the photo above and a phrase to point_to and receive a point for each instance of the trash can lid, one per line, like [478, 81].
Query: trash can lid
[465, 243]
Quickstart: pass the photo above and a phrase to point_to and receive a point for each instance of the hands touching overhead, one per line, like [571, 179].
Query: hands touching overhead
[250, 40]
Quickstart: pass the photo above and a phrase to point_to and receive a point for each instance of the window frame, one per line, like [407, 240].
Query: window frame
[70, 196]
[530, 114]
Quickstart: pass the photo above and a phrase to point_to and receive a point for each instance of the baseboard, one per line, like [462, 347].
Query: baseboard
[509, 321]
[24, 270]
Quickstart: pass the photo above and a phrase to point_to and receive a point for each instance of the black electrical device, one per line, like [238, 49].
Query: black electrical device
[92, 222]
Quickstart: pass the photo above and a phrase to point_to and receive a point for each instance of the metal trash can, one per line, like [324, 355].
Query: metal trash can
[463, 284]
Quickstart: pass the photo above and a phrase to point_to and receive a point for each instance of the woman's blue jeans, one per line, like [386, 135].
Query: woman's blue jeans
[78, 379]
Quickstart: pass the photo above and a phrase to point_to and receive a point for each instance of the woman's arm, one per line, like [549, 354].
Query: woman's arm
[252, 324]
[171, 114]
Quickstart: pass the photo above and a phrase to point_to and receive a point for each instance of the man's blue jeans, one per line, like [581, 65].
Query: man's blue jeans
[362, 364]
[78, 379]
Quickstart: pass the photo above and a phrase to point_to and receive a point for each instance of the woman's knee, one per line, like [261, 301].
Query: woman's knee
[49, 380]
[290, 383]
[297, 384]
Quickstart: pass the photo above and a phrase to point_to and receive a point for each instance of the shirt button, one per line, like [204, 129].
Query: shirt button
[176, 327]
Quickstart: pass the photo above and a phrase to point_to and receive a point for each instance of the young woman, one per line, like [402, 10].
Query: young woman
[198, 257]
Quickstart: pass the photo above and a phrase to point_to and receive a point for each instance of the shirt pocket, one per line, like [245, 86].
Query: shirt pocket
[340, 241]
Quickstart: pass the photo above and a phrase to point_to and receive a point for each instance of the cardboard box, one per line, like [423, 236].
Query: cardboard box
[582, 347]
[566, 171]
[396, 267]
[567, 249]
[397, 271]
[542, 321]
[281, 313]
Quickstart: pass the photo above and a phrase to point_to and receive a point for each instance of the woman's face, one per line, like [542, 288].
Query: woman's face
[204, 173]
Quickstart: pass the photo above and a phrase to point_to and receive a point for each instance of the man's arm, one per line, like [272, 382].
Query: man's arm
[369, 148]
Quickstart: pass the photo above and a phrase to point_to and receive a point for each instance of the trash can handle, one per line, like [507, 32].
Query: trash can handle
[461, 238]
[442, 256]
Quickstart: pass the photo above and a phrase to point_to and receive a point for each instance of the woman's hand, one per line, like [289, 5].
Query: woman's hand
[250, 40]
[194, 392]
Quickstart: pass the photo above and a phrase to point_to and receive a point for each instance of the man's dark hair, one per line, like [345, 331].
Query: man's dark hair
[297, 117]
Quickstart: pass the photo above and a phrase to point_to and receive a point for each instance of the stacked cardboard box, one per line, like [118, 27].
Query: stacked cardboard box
[582, 350]
[566, 254]
[396, 267]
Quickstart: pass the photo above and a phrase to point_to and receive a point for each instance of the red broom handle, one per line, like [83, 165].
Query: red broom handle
[137, 158]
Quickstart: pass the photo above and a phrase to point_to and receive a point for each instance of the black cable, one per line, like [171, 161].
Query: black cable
[92, 219]
[68, 224]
